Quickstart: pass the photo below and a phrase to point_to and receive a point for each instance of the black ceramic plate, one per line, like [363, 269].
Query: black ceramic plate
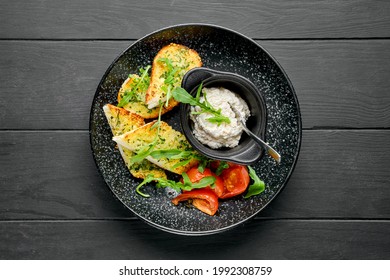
[220, 49]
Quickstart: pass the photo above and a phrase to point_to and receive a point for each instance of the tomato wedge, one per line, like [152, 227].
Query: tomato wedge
[203, 199]
[195, 176]
[235, 180]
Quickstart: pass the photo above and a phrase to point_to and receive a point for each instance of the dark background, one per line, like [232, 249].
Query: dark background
[55, 205]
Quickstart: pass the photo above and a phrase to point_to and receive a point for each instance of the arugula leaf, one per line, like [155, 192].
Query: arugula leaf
[181, 95]
[177, 186]
[198, 92]
[173, 153]
[186, 179]
[258, 185]
[168, 96]
[182, 163]
[143, 153]
[148, 179]
[204, 182]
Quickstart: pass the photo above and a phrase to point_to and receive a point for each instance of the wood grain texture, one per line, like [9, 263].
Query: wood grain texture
[50, 85]
[135, 240]
[134, 19]
[338, 83]
[51, 175]
[55, 205]
[338, 173]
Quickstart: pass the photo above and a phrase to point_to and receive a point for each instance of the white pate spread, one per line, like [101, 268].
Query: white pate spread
[225, 134]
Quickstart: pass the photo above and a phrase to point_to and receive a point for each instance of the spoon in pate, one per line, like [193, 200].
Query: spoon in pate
[271, 151]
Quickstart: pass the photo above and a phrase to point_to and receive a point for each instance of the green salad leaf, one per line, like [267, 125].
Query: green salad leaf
[258, 185]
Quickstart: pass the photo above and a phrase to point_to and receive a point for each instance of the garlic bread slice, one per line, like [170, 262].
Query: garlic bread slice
[140, 169]
[122, 121]
[136, 102]
[167, 139]
[169, 66]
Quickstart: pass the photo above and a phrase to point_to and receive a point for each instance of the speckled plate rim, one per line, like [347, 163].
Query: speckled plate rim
[299, 124]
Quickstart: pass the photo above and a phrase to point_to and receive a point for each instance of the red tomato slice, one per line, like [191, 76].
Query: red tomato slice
[235, 179]
[195, 176]
[203, 199]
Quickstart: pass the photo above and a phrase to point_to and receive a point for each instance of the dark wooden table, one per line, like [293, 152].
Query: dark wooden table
[55, 205]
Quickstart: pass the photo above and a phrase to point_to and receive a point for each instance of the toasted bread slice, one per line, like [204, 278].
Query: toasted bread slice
[168, 139]
[182, 59]
[137, 105]
[122, 121]
[140, 169]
